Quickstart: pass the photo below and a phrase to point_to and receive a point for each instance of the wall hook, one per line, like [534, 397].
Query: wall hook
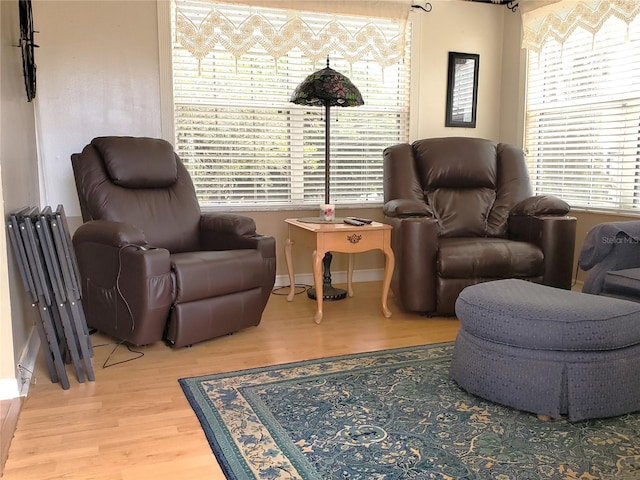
[427, 7]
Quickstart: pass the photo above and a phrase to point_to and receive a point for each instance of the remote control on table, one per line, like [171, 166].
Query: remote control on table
[360, 219]
[351, 221]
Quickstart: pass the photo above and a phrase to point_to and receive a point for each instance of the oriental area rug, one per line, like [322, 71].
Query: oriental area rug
[393, 415]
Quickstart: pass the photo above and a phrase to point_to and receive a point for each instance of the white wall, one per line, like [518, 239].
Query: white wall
[98, 75]
[454, 26]
[19, 187]
[513, 82]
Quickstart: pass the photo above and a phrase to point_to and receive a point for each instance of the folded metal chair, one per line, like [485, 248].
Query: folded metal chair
[46, 262]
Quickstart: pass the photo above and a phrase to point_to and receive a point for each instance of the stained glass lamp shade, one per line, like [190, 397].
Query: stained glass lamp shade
[327, 88]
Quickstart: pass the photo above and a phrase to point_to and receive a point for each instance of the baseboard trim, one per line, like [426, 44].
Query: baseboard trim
[27, 364]
[19, 385]
[9, 388]
[13, 392]
[368, 275]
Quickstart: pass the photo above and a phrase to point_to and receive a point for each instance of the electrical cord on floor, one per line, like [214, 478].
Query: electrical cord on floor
[304, 287]
[107, 365]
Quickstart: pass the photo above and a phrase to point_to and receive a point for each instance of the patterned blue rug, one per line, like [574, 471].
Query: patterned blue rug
[394, 415]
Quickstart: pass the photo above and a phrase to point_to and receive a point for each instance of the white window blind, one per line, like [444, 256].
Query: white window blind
[582, 131]
[242, 140]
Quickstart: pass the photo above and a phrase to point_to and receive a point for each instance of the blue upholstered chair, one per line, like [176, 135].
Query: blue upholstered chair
[611, 256]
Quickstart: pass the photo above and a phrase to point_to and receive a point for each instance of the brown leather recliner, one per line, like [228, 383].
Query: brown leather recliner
[153, 266]
[463, 213]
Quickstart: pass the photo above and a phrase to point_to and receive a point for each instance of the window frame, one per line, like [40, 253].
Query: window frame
[167, 111]
[624, 199]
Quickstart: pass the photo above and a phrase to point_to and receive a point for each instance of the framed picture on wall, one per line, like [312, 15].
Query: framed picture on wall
[462, 89]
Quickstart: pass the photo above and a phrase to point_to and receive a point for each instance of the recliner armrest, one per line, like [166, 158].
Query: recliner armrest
[127, 291]
[263, 243]
[415, 244]
[266, 245]
[404, 207]
[541, 205]
[555, 236]
[226, 231]
[229, 223]
[114, 234]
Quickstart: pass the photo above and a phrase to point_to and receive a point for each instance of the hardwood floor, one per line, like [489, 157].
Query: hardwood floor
[9, 412]
[134, 423]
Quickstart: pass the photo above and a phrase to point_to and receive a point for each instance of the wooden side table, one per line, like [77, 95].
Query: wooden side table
[344, 238]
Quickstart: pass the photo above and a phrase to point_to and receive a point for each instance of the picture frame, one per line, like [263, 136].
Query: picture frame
[462, 89]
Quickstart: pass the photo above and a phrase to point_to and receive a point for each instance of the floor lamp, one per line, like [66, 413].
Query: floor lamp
[327, 88]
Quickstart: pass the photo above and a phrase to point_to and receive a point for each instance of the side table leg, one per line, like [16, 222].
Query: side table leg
[350, 276]
[390, 264]
[317, 280]
[287, 255]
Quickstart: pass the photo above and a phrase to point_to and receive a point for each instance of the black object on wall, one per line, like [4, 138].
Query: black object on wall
[27, 44]
[511, 5]
[462, 90]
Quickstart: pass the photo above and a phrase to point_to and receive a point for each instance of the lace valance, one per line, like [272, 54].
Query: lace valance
[202, 25]
[558, 19]
[394, 9]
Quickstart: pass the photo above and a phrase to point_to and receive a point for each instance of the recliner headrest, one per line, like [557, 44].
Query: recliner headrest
[456, 162]
[138, 162]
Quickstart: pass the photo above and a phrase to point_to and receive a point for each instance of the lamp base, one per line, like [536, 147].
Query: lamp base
[329, 292]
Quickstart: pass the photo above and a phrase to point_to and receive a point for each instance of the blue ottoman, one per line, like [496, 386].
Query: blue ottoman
[549, 351]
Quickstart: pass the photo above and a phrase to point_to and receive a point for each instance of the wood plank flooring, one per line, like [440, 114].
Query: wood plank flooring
[134, 423]
[9, 412]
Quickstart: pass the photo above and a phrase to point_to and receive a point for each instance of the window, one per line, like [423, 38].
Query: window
[242, 140]
[582, 130]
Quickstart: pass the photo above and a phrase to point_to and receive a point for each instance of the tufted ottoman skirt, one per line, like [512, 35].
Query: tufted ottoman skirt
[548, 351]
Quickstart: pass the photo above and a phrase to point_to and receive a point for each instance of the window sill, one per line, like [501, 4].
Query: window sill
[280, 208]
